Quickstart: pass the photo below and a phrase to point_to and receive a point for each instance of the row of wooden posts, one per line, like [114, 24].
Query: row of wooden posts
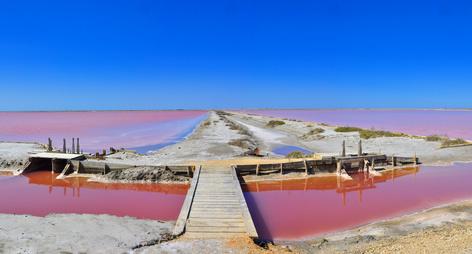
[366, 161]
[74, 149]
[359, 149]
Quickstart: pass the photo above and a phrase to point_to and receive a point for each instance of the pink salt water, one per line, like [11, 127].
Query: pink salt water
[297, 209]
[453, 123]
[99, 130]
[40, 194]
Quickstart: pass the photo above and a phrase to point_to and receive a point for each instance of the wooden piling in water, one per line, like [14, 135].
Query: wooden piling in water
[343, 153]
[188, 171]
[64, 148]
[78, 146]
[338, 168]
[49, 145]
[73, 145]
[306, 167]
[359, 151]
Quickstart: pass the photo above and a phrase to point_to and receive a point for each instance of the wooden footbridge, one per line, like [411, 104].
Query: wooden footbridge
[215, 206]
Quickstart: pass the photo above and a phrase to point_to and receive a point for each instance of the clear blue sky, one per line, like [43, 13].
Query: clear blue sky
[234, 54]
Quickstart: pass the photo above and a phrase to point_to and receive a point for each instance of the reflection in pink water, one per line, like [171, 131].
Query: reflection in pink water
[99, 130]
[453, 123]
[295, 209]
[40, 194]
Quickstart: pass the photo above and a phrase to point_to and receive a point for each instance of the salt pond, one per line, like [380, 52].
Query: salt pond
[97, 130]
[297, 209]
[40, 193]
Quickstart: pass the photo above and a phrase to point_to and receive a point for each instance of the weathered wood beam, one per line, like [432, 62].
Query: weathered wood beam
[185, 211]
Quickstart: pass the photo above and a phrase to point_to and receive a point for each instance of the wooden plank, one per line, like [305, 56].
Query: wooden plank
[215, 223]
[217, 219]
[211, 212]
[216, 216]
[251, 229]
[214, 204]
[185, 211]
[210, 206]
[215, 195]
[216, 210]
[213, 235]
[208, 196]
[222, 229]
[198, 201]
[215, 200]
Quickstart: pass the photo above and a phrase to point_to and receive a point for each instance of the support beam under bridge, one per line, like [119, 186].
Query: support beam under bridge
[55, 162]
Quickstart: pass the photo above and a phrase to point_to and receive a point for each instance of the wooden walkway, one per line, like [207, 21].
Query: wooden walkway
[215, 207]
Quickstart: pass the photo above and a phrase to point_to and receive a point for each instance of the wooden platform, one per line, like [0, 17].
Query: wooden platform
[58, 156]
[217, 208]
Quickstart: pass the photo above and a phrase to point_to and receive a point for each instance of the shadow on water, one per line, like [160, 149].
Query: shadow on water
[257, 217]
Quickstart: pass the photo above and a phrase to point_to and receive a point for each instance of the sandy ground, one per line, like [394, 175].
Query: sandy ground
[71, 233]
[213, 246]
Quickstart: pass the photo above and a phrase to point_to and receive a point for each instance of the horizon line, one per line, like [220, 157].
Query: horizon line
[232, 109]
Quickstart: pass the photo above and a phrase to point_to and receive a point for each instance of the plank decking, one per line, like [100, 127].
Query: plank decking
[217, 208]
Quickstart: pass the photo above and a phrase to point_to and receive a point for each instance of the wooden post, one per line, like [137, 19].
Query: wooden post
[338, 168]
[64, 148]
[394, 161]
[281, 168]
[73, 145]
[359, 151]
[343, 153]
[373, 164]
[257, 169]
[78, 146]
[49, 145]
[306, 167]
[414, 160]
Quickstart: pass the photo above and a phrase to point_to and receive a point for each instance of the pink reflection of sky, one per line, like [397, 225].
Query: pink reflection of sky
[97, 130]
[297, 213]
[453, 123]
